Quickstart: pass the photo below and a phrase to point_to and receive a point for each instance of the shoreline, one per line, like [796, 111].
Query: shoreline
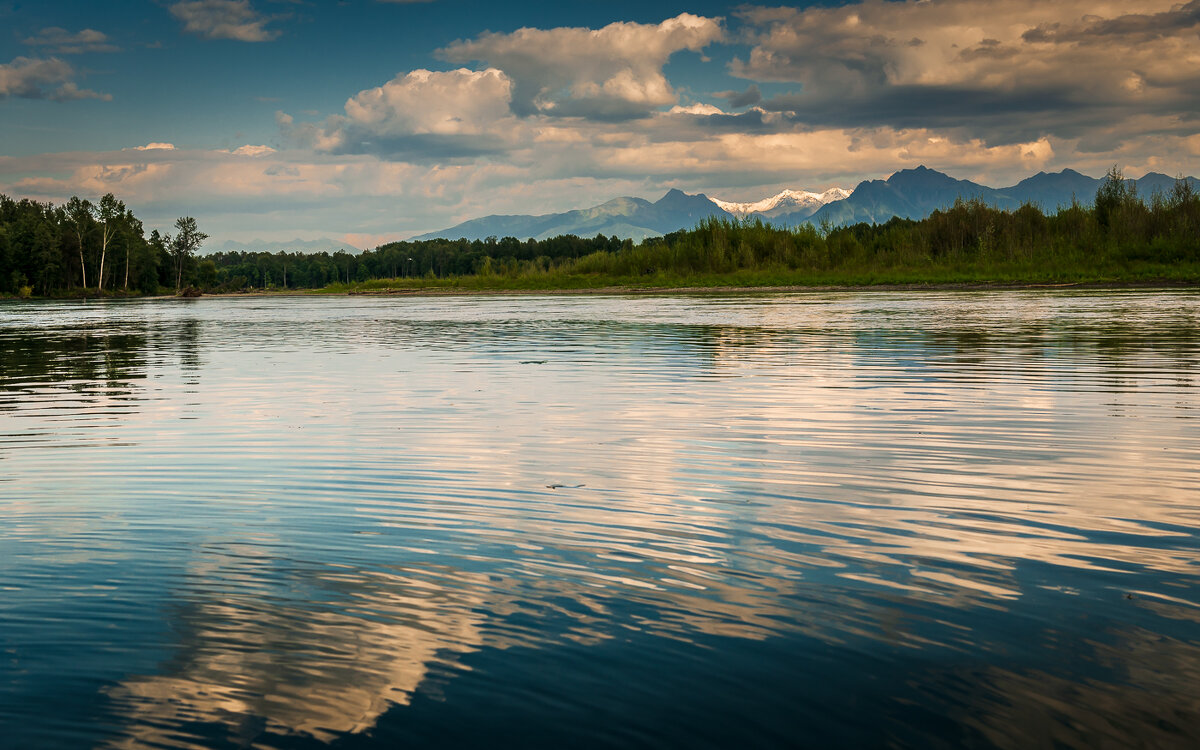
[651, 291]
[959, 286]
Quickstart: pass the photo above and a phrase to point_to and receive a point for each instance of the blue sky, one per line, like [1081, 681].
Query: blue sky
[368, 120]
[212, 92]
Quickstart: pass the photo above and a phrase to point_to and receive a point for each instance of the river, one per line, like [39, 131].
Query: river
[877, 519]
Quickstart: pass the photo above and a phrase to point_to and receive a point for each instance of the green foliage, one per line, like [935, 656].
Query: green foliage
[187, 241]
[1114, 196]
[60, 250]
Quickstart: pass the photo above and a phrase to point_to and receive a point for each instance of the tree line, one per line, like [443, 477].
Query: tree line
[82, 247]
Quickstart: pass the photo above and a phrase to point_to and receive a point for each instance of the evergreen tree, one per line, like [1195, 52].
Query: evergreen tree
[188, 239]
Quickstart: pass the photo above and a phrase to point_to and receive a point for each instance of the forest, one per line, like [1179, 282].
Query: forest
[82, 248]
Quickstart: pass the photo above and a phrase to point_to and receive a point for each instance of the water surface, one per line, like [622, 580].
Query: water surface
[813, 520]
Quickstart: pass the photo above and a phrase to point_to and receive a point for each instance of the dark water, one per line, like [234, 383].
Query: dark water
[844, 520]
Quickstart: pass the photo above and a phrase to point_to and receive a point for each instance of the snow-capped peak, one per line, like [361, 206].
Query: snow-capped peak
[787, 199]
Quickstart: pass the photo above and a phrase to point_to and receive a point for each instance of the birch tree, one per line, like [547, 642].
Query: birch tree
[133, 233]
[79, 216]
[110, 213]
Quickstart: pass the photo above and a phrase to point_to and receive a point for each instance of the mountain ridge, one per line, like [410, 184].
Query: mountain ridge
[637, 217]
[912, 193]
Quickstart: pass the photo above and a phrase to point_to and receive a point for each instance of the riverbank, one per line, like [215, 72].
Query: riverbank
[752, 282]
[942, 277]
[656, 291]
[453, 291]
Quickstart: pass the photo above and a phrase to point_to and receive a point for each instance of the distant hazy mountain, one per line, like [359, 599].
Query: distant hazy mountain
[625, 217]
[909, 193]
[637, 218]
[298, 246]
[1154, 182]
[916, 193]
[1054, 191]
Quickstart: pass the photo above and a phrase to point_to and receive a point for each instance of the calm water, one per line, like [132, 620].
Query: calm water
[819, 520]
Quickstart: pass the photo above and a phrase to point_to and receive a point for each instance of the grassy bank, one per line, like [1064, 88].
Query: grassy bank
[939, 275]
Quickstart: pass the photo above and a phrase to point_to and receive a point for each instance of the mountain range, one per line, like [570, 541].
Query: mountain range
[635, 218]
[910, 193]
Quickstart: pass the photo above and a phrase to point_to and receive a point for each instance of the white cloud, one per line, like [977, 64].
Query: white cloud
[63, 42]
[421, 115]
[50, 78]
[154, 147]
[615, 72]
[223, 19]
[696, 109]
[250, 150]
[451, 103]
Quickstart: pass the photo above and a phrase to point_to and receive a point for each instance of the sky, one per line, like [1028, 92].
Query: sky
[366, 121]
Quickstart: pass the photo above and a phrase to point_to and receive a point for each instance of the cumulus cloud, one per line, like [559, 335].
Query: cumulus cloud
[62, 42]
[223, 19]
[154, 147]
[50, 78]
[454, 102]
[1004, 70]
[612, 73]
[422, 115]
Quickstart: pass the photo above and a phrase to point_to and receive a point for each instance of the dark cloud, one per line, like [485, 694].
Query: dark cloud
[1010, 71]
[420, 148]
[742, 98]
[998, 117]
[51, 78]
[752, 121]
[1169, 23]
[989, 49]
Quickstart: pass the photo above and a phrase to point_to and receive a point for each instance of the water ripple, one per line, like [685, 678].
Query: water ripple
[640, 521]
